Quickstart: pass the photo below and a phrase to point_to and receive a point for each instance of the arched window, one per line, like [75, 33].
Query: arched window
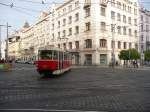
[103, 43]
[88, 43]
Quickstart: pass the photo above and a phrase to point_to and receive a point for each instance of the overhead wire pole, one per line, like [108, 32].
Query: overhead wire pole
[7, 26]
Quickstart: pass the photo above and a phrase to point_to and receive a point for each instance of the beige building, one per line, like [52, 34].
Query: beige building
[33, 37]
[95, 31]
[13, 46]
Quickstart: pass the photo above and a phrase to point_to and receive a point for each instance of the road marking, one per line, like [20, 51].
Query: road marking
[50, 110]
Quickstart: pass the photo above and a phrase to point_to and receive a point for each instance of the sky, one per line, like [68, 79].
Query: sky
[28, 10]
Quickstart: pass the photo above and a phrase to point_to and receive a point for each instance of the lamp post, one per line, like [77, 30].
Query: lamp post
[113, 46]
[7, 26]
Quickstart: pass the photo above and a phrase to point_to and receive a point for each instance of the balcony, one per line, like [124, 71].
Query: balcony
[87, 3]
[103, 3]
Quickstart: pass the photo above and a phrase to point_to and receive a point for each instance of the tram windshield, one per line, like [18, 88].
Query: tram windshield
[48, 54]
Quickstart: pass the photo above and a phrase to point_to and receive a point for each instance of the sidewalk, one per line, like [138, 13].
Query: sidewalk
[115, 67]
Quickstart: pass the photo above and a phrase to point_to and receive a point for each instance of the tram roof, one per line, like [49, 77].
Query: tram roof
[50, 48]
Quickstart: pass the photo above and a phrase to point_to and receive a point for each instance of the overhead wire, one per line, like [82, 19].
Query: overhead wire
[12, 6]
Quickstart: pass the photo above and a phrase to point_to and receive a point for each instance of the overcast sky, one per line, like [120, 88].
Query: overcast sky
[28, 10]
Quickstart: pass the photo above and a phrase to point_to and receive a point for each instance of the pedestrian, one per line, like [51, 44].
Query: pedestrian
[134, 63]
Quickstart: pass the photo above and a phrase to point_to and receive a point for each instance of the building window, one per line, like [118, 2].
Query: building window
[147, 20]
[87, 12]
[64, 33]
[118, 17]
[88, 43]
[124, 18]
[147, 28]
[58, 34]
[135, 33]
[135, 11]
[136, 46]
[76, 3]
[135, 22]
[142, 38]
[70, 31]
[130, 45]
[64, 22]
[112, 15]
[103, 26]
[130, 32]
[64, 45]
[103, 43]
[58, 45]
[129, 20]
[129, 9]
[124, 45]
[118, 5]
[119, 29]
[142, 28]
[77, 44]
[77, 30]
[112, 27]
[119, 45]
[58, 24]
[70, 19]
[87, 26]
[112, 44]
[103, 11]
[124, 30]
[70, 8]
[124, 7]
[141, 18]
[64, 10]
[53, 36]
[77, 17]
[70, 45]
[113, 3]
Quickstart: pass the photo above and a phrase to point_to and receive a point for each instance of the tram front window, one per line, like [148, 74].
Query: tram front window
[49, 54]
[46, 54]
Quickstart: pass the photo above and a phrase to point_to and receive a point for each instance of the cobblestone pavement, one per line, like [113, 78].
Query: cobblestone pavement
[84, 89]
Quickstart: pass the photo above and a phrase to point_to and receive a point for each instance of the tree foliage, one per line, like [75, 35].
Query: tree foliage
[147, 55]
[130, 54]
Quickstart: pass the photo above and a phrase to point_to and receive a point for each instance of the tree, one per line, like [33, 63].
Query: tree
[123, 55]
[147, 55]
[133, 54]
[130, 54]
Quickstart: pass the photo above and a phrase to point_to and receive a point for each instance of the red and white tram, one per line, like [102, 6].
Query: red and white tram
[53, 61]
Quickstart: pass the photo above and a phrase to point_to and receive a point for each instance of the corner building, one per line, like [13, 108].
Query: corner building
[94, 31]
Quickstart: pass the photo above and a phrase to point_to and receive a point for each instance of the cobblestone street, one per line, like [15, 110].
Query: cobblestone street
[84, 89]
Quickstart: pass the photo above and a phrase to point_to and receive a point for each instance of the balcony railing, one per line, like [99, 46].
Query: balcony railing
[87, 3]
[103, 3]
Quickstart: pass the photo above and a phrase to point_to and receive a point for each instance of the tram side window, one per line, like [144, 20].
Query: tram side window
[60, 56]
[46, 54]
[55, 55]
[65, 56]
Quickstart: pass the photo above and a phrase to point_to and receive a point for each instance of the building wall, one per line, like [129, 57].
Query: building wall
[96, 33]
[144, 40]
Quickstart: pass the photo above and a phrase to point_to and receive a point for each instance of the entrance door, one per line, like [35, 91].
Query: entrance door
[88, 59]
[103, 59]
[77, 58]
